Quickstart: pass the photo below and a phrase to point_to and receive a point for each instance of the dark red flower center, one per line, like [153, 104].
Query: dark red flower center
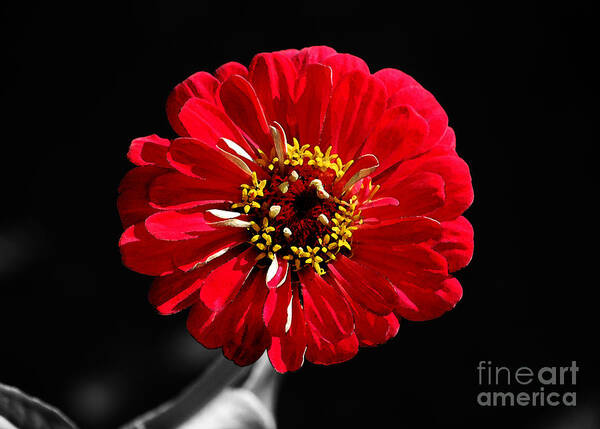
[295, 212]
[300, 207]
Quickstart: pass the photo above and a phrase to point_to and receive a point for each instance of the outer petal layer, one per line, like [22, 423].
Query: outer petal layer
[326, 311]
[456, 243]
[422, 304]
[199, 85]
[356, 104]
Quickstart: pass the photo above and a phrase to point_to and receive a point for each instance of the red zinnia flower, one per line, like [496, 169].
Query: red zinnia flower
[307, 206]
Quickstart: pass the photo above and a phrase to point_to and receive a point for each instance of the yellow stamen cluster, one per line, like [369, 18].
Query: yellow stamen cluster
[297, 155]
[345, 222]
[311, 255]
[250, 193]
[263, 240]
[326, 160]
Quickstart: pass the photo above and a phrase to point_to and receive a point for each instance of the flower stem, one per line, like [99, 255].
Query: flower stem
[220, 374]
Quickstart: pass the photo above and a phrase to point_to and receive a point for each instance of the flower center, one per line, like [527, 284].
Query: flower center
[295, 213]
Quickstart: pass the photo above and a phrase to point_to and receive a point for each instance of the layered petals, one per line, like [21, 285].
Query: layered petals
[174, 292]
[223, 284]
[174, 191]
[312, 55]
[249, 337]
[323, 352]
[342, 64]
[313, 100]
[394, 80]
[209, 124]
[412, 263]
[399, 232]
[199, 85]
[356, 104]
[277, 309]
[327, 313]
[273, 77]
[196, 159]
[243, 106]
[458, 190]
[176, 226]
[237, 327]
[425, 105]
[229, 69]
[133, 201]
[149, 150]
[456, 243]
[420, 304]
[419, 193]
[288, 346]
[399, 135]
[372, 329]
[365, 286]
[306, 206]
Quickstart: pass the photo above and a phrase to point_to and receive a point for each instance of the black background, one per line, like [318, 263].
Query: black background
[80, 80]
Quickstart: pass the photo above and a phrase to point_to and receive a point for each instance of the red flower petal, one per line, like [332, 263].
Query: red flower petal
[394, 80]
[398, 135]
[418, 194]
[238, 322]
[206, 327]
[175, 226]
[190, 253]
[175, 292]
[277, 273]
[427, 106]
[275, 311]
[325, 310]
[175, 191]
[273, 77]
[457, 186]
[456, 244]
[223, 284]
[149, 150]
[398, 232]
[286, 352]
[373, 329]
[201, 85]
[133, 201]
[323, 352]
[290, 53]
[313, 99]
[342, 64]
[197, 159]
[207, 123]
[457, 182]
[356, 104]
[363, 285]
[416, 263]
[249, 338]
[360, 168]
[145, 254]
[311, 55]
[243, 107]
[420, 304]
[379, 210]
[229, 69]
[448, 141]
